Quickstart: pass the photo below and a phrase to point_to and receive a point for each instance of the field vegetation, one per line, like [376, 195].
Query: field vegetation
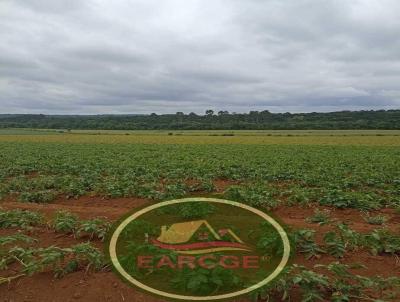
[338, 193]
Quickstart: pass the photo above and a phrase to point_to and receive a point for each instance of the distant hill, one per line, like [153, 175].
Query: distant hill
[222, 120]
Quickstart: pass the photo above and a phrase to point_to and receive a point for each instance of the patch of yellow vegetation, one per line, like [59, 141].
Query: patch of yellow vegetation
[384, 140]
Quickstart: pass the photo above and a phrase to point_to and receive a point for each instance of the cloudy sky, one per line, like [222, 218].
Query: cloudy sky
[90, 57]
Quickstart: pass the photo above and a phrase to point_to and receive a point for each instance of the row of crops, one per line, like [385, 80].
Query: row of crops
[334, 281]
[340, 176]
[22, 252]
[364, 178]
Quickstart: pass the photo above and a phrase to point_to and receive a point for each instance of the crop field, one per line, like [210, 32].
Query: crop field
[338, 193]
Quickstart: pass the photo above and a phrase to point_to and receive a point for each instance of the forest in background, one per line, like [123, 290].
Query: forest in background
[221, 120]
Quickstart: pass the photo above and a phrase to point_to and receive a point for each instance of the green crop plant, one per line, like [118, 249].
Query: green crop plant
[38, 196]
[335, 245]
[379, 241]
[206, 185]
[257, 195]
[19, 237]
[336, 284]
[205, 281]
[191, 210]
[174, 190]
[20, 218]
[60, 260]
[65, 222]
[138, 228]
[96, 227]
[357, 200]
[302, 196]
[382, 241]
[346, 286]
[304, 240]
[5, 260]
[352, 239]
[269, 241]
[312, 284]
[74, 190]
[89, 256]
[320, 216]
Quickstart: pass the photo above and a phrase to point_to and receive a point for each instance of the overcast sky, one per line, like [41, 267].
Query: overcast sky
[90, 57]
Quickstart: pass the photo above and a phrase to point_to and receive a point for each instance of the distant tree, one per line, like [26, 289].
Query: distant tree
[223, 113]
[209, 112]
[180, 113]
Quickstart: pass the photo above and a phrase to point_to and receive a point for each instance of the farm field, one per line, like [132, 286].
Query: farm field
[338, 192]
[280, 137]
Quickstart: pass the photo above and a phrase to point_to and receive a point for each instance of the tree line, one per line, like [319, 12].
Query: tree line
[221, 120]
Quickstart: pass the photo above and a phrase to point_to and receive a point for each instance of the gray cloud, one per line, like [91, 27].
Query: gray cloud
[187, 55]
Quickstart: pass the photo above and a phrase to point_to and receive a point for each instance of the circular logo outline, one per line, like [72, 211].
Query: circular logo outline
[114, 259]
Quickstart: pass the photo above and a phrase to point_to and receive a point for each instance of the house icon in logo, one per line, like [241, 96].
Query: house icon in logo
[198, 237]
